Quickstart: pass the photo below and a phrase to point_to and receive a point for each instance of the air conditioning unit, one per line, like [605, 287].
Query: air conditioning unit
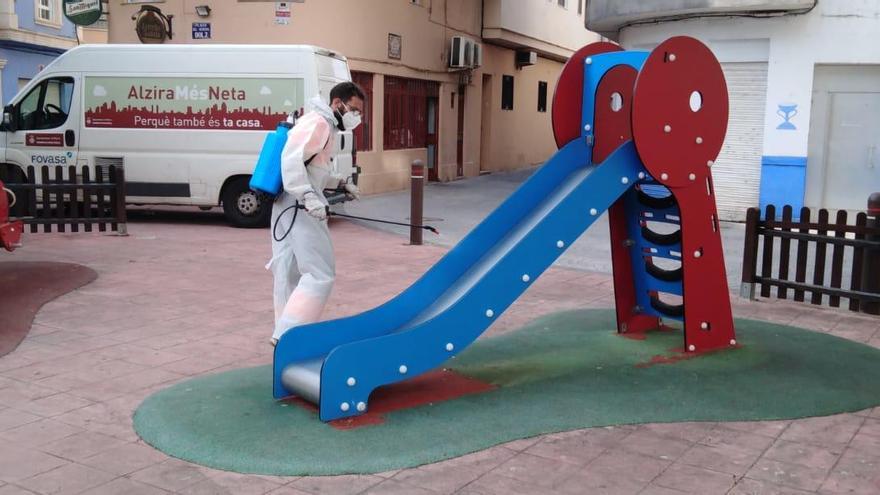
[461, 52]
[477, 59]
[524, 58]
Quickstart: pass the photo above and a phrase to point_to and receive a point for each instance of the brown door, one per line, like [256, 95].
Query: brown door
[459, 154]
[486, 127]
[431, 139]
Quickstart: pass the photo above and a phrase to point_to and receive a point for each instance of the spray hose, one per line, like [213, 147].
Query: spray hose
[402, 224]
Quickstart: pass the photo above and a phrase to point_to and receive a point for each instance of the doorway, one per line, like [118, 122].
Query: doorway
[486, 125]
[431, 139]
[843, 162]
[459, 152]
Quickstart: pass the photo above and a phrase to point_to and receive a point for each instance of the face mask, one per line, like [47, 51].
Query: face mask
[351, 120]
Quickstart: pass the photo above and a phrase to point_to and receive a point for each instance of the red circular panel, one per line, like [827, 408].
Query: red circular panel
[612, 122]
[568, 97]
[670, 136]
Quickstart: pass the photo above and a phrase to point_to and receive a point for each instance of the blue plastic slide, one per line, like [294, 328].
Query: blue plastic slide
[337, 364]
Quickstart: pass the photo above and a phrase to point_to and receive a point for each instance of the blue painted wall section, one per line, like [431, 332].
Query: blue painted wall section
[783, 181]
[30, 45]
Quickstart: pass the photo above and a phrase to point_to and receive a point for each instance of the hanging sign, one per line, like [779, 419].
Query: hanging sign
[82, 12]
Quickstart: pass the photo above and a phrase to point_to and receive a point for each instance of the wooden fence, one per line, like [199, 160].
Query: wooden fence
[844, 278]
[68, 200]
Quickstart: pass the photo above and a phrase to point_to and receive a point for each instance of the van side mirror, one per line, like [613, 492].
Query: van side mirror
[8, 120]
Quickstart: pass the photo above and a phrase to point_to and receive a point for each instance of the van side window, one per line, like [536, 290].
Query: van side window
[47, 105]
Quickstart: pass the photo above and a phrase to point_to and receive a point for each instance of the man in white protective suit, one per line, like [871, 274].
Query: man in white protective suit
[303, 264]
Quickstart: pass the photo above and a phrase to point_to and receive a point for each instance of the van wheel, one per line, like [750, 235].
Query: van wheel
[243, 207]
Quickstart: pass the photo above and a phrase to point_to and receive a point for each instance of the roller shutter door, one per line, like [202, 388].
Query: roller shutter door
[737, 171]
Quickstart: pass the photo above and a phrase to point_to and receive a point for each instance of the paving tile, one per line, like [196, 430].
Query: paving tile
[645, 441]
[808, 455]
[747, 486]
[722, 458]
[13, 490]
[688, 432]
[126, 459]
[68, 479]
[54, 405]
[829, 431]
[172, 475]
[856, 462]
[394, 487]
[495, 484]
[838, 483]
[81, 445]
[38, 433]
[12, 418]
[536, 470]
[223, 482]
[449, 476]
[694, 479]
[17, 463]
[288, 490]
[19, 394]
[336, 485]
[579, 446]
[787, 474]
[625, 464]
[125, 486]
[721, 435]
[652, 489]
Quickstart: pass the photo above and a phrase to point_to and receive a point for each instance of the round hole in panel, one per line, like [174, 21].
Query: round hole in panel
[696, 101]
[616, 101]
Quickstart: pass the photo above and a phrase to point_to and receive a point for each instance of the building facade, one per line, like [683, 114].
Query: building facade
[492, 116]
[32, 34]
[804, 84]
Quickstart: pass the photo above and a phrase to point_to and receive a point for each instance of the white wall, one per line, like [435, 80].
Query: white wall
[835, 32]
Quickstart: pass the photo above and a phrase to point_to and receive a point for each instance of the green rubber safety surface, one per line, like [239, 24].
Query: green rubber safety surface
[562, 372]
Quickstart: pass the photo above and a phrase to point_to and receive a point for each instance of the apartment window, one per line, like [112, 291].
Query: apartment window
[406, 112]
[580, 7]
[48, 12]
[562, 3]
[507, 92]
[363, 135]
[542, 96]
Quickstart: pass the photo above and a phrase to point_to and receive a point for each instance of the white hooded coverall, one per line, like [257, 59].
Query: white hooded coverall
[303, 264]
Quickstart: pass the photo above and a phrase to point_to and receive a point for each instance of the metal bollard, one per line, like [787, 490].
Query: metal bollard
[871, 264]
[417, 198]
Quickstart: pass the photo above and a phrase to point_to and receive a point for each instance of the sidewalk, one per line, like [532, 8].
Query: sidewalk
[455, 208]
[185, 295]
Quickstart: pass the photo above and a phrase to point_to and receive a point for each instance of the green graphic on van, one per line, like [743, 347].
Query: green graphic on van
[191, 102]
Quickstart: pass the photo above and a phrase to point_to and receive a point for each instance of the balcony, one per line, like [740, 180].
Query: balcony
[551, 30]
[607, 17]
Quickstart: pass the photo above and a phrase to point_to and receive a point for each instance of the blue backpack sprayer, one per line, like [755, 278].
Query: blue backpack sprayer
[266, 178]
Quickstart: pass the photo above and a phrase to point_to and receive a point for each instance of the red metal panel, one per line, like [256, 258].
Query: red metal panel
[10, 232]
[677, 144]
[613, 127]
[568, 96]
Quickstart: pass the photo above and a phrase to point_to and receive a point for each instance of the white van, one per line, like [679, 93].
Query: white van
[186, 121]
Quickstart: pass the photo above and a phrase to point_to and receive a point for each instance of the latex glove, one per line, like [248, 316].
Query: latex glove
[352, 190]
[314, 206]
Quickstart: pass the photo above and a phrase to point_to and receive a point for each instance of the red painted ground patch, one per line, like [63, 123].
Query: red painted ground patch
[436, 386]
[25, 287]
[644, 334]
[678, 354]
